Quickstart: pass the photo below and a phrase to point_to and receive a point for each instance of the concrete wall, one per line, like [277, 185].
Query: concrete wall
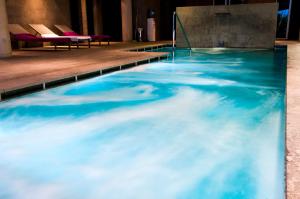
[98, 20]
[5, 48]
[245, 26]
[48, 12]
[126, 11]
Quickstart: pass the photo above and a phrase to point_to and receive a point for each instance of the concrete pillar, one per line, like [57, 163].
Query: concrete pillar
[5, 45]
[98, 24]
[126, 9]
[85, 29]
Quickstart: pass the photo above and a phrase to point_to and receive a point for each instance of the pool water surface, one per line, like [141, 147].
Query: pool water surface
[210, 125]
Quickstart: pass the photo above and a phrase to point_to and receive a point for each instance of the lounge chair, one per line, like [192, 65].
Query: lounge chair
[18, 33]
[46, 33]
[69, 32]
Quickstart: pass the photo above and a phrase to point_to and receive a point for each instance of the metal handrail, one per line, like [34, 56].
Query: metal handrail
[175, 17]
[174, 34]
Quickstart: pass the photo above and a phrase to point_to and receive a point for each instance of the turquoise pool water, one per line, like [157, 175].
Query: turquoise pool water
[210, 125]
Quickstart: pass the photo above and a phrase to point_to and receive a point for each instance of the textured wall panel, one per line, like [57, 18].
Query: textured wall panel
[245, 26]
[48, 12]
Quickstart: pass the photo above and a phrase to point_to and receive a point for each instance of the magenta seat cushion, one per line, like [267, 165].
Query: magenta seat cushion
[99, 37]
[31, 38]
[94, 37]
[25, 37]
[55, 39]
[70, 34]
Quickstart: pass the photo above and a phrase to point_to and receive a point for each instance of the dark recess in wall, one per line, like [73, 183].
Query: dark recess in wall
[166, 22]
[75, 10]
[90, 16]
[295, 20]
[182, 3]
[112, 22]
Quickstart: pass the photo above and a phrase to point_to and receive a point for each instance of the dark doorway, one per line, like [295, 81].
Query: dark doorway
[294, 28]
[282, 18]
[166, 22]
[90, 16]
[112, 21]
[75, 9]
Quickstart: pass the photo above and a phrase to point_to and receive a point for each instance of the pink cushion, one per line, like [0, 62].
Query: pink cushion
[55, 39]
[100, 37]
[29, 37]
[24, 36]
[70, 34]
[94, 37]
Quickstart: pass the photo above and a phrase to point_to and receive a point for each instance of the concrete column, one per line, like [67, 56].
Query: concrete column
[98, 24]
[126, 9]
[5, 45]
[85, 29]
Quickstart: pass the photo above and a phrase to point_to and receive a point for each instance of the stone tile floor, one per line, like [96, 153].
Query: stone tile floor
[293, 121]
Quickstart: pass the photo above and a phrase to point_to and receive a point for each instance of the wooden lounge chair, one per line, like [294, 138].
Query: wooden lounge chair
[69, 32]
[18, 33]
[46, 33]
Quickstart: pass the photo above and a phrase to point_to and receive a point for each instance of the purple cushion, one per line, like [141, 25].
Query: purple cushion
[100, 37]
[24, 37]
[31, 38]
[54, 39]
[70, 34]
[94, 37]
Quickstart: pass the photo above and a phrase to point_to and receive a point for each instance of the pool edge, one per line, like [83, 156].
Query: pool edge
[7, 94]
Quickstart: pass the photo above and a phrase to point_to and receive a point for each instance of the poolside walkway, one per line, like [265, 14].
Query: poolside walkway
[293, 120]
[32, 67]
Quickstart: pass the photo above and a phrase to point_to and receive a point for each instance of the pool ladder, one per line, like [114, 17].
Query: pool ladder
[177, 19]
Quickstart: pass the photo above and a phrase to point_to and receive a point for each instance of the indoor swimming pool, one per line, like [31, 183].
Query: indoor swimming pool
[210, 125]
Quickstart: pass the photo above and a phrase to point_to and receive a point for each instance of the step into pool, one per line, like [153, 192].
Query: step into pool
[210, 125]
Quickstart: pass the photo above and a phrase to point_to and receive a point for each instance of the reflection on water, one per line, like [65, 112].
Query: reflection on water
[206, 126]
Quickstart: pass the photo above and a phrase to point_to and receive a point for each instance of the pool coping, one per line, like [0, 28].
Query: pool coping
[6, 94]
[292, 137]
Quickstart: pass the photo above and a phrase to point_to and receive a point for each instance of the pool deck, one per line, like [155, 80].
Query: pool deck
[293, 121]
[39, 68]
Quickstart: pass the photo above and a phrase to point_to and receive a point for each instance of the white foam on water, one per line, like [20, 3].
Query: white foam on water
[161, 149]
[181, 79]
[140, 92]
[20, 187]
[267, 157]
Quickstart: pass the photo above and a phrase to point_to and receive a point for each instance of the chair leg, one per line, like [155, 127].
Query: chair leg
[69, 45]
[20, 44]
[108, 42]
[77, 44]
[99, 42]
[55, 46]
[89, 44]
